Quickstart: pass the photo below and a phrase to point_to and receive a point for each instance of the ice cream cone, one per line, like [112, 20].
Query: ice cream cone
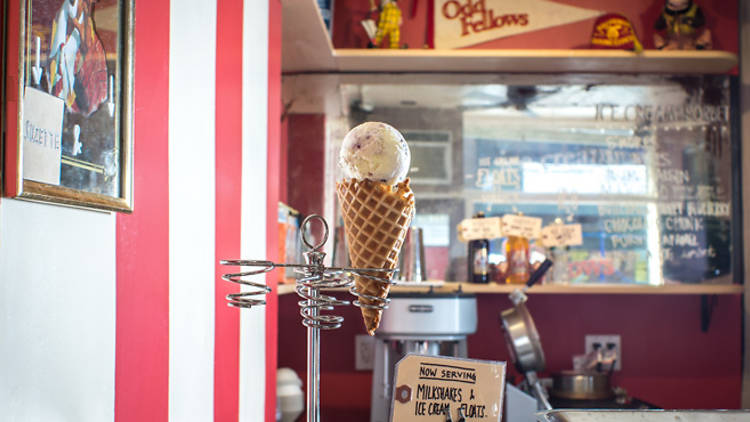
[376, 218]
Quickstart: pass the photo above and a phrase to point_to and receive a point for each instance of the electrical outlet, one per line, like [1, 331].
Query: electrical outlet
[604, 341]
[364, 352]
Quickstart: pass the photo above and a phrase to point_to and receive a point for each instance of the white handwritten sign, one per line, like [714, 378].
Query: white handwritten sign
[479, 228]
[562, 235]
[427, 387]
[522, 226]
[42, 136]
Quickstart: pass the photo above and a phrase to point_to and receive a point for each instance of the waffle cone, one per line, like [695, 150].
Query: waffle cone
[376, 218]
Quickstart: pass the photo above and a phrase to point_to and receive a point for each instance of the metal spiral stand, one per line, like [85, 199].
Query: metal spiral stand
[314, 276]
[245, 299]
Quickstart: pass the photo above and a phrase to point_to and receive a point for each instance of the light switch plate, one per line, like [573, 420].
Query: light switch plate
[364, 352]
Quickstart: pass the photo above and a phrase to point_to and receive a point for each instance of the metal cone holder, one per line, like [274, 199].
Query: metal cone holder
[314, 276]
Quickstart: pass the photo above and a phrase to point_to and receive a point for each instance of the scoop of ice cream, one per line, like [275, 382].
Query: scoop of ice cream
[375, 151]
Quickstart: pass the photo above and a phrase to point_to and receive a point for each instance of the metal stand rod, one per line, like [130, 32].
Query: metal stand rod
[313, 368]
[312, 318]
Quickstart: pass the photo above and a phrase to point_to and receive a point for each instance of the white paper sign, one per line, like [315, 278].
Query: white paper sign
[42, 136]
[460, 23]
[522, 226]
[426, 387]
[562, 235]
[480, 228]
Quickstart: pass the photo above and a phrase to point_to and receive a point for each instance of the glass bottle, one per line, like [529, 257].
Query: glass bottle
[479, 264]
[559, 272]
[558, 255]
[517, 256]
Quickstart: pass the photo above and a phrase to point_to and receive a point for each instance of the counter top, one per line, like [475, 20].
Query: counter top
[598, 288]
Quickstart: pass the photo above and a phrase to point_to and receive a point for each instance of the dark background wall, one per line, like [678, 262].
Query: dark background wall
[667, 359]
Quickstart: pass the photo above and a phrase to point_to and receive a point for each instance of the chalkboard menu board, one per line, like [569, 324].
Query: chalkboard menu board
[645, 165]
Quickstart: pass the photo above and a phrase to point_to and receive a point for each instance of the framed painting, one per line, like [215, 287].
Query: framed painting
[68, 102]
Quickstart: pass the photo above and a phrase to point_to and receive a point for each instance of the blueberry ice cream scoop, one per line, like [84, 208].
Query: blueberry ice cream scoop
[375, 151]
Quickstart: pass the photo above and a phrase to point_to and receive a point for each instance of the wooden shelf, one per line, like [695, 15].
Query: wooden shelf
[617, 289]
[307, 48]
[534, 61]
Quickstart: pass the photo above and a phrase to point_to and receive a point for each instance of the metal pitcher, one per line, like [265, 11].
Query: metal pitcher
[411, 265]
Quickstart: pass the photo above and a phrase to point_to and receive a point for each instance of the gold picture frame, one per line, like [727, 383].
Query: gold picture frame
[68, 102]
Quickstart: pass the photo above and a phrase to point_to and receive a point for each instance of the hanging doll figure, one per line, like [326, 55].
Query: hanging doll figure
[389, 24]
[682, 26]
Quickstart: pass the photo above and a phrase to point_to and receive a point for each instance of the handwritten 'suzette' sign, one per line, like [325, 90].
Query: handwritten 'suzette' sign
[479, 228]
[522, 226]
[459, 23]
[562, 235]
[427, 387]
[42, 136]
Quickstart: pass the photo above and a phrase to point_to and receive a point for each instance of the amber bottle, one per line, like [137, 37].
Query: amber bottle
[517, 257]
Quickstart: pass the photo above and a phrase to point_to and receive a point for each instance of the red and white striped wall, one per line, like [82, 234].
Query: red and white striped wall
[115, 317]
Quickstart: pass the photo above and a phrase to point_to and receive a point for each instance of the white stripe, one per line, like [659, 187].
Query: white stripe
[192, 175]
[57, 313]
[254, 153]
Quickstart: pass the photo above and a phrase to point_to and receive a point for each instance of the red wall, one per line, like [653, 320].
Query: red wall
[273, 187]
[667, 360]
[142, 348]
[305, 157]
[721, 16]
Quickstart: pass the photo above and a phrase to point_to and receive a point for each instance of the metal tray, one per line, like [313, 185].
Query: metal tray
[644, 416]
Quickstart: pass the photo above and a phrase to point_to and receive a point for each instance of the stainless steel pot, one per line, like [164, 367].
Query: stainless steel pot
[582, 386]
[525, 348]
[522, 339]
[521, 335]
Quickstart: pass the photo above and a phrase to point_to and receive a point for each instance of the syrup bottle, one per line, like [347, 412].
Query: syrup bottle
[479, 264]
[517, 257]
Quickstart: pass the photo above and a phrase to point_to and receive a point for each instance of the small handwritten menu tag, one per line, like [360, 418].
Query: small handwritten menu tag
[427, 387]
[479, 228]
[522, 226]
[562, 235]
[42, 136]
